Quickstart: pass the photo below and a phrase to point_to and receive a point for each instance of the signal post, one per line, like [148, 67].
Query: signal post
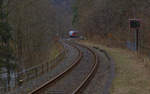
[135, 24]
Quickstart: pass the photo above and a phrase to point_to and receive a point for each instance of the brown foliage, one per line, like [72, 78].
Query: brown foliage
[102, 17]
[33, 23]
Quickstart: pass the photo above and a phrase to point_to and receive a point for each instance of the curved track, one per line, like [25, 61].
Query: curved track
[75, 78]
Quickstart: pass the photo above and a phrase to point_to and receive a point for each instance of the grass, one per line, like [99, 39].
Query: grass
[55, 50]
[132, 71]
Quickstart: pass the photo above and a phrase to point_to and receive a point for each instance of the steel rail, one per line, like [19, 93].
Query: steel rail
[83, 83]
[54, 79]
[90, 75]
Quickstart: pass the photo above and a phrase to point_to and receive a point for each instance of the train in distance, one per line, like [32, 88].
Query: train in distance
[73, 34]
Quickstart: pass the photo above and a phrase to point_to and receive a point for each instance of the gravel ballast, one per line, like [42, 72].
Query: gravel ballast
[72, 80]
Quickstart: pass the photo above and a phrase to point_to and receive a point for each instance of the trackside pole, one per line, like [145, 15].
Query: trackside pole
[137, 39]
[135, 24]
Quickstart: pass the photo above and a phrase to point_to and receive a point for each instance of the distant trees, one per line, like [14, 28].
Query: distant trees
[75, 15]
[27, 34]
[34, 30]
[63, 16]
[6, 49]
[106, 19]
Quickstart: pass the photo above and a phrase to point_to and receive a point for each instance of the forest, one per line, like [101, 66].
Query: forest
[27, 34]
[108, 21]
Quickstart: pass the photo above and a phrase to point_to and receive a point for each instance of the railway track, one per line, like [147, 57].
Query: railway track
[75, 78]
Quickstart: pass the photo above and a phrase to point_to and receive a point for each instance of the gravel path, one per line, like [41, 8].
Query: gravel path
[71, 55]
[69, 82]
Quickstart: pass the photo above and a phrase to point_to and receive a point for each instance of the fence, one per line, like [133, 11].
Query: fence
[141, 49]
[18, 79]
[145, 50]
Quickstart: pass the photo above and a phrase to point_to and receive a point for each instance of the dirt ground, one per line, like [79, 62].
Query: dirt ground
[132, 71]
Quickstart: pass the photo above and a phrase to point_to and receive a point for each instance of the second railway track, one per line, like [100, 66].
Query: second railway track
[75, 78]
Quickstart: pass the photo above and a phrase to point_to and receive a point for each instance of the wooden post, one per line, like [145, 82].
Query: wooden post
[36, 73]
[42, 68]
[137, 39]
[47, 66]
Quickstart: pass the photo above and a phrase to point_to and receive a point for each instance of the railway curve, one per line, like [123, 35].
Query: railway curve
[75, 78]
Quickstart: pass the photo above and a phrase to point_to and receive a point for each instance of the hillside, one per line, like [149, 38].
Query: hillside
[34, 30]
[107, 21]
